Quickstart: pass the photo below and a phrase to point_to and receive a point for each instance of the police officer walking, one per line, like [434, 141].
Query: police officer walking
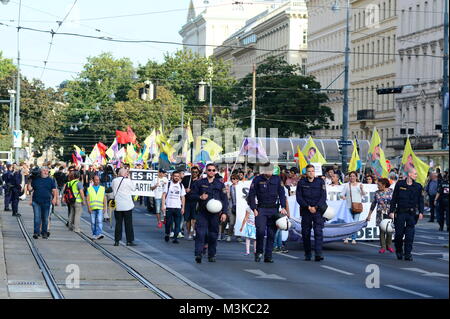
[269, 191]
[407, 199]
[311, 196]
[207, 224]
[7, 179]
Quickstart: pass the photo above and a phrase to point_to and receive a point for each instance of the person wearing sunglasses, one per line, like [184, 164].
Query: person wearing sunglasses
[207, 224]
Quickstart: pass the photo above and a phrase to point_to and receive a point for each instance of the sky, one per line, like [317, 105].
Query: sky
[89, 17]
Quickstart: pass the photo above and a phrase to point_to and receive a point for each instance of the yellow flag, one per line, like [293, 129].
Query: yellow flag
[95, 154]
[131, 156]
[302, 163]
[149, 146]
[312, 153]
[410, 160]
[355, 161]
[376, 159]
[187, 145]
[209, 151]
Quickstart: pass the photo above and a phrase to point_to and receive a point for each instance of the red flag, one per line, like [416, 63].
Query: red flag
[226, 177]
[74, 159]
[122, 137]
[102, 148]
[131, 135]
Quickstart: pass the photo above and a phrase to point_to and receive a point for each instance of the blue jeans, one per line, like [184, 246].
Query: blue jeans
[278, 242]
[158, 202]
[97, 222]
[355, 219]
[41, 212]
[173, 215]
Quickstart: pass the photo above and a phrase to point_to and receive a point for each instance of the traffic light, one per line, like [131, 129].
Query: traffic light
[393, 90]
[340, 149]
[148, 92]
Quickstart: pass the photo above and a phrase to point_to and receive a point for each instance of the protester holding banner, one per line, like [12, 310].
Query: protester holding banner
[382, 201]
[353, 193]
[407, 199]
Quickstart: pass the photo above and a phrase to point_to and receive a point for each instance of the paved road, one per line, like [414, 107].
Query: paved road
[341, 275]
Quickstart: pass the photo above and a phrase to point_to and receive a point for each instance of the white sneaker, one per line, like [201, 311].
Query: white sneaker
[100, 237]
[190, 237]
[94, 237]
[354, 242]
[346, 241]
[171, 234]
[180, 235]
[228, 239]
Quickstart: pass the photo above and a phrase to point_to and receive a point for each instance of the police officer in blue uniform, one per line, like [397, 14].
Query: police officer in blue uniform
[207, 225]
[16, 189]
[311, 195]
[269, 191]
[7, 179]
[407, 199]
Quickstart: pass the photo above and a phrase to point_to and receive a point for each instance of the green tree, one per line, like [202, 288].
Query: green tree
[284, 99]
[6, 67]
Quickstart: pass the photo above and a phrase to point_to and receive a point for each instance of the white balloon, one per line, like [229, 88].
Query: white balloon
[329, 213]
[284, 223]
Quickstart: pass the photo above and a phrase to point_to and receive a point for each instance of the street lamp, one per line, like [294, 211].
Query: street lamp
[344, 138]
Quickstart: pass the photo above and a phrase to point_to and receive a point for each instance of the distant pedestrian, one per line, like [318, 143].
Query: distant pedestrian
[45, 193]
[96, 203]
[190, 212]
[407, 200]
[7, 180]
[232, 201]
[158, 187]
[16, 185]
[172, 206]
[123, 188]
[382, 200]
[432, 189]
[442, 199]
[76, 207]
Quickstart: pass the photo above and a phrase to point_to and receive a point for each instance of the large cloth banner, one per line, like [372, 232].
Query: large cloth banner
[343, 215]
[143, 179]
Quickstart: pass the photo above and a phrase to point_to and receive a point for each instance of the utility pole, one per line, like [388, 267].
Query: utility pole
[445, 97]
[346, 86]
[17, 126]
[182, 113]
[210, 104]
[253, 116]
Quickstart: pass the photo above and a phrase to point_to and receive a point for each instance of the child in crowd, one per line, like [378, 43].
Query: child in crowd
[250, 230]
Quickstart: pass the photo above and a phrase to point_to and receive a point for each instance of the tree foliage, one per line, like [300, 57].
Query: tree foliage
[284, 99]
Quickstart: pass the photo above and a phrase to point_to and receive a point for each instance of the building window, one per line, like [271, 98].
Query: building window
[384, 10]
[390, 8]
[304, 36]
[388, 47]
[425, 15]
[304, 66]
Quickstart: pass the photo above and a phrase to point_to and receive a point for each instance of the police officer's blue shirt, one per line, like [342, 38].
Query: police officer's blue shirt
[407, 197]
[215, 190]
[312, 194]
[267, 191]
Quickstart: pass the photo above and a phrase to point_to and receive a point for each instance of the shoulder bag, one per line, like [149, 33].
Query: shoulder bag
[357, 208]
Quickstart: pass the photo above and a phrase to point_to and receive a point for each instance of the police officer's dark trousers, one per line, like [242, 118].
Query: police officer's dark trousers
[309, 222]
[404, 223]
[8, 193]
[15, 202]
[265, 221]
[207, 230]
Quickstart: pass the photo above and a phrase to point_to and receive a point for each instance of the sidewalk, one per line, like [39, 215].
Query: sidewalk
[100, 278]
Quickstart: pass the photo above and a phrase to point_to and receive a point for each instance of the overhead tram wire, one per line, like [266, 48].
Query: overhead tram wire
[109, 39]
[60, 23]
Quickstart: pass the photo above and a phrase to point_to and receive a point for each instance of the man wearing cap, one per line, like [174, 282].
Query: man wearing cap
[158, 187]
[269, 191]
[311, 196]
[208, 223]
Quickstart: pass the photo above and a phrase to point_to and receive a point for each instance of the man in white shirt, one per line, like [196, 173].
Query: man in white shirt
[122, 190]
[173, 205]
[158, 186]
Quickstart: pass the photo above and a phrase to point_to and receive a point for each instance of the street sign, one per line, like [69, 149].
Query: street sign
[17, 138]
[340, 142]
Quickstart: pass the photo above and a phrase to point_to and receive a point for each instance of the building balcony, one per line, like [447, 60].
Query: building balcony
[362, 115]
[424, 142]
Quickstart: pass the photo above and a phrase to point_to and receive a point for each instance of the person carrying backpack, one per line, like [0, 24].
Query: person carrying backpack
[74, 198]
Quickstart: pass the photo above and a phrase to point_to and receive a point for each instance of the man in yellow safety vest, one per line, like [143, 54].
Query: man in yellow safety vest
[96, 202]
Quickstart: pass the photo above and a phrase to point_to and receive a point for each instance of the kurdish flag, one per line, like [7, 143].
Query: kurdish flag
[410, 160]
[302, 163]
[355, 161]
[376, 158]
[312, 153]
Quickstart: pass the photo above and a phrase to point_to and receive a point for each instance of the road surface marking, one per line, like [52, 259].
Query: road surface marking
[426, 273]
[282, 254]
[337, 270]
[428, 244]
[262, 275]
[408, 291]
[148, 215]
